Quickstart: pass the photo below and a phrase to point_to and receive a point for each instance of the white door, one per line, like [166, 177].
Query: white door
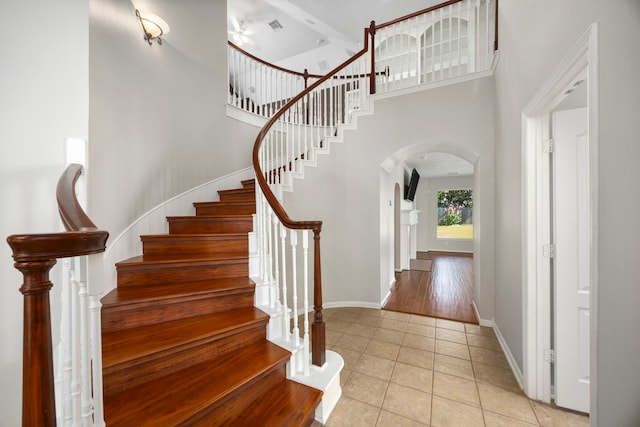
[572, 260]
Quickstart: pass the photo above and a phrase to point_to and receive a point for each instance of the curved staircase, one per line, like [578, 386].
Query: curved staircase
[182, 341]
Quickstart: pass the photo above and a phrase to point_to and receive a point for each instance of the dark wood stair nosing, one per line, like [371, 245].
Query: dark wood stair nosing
[255, 363]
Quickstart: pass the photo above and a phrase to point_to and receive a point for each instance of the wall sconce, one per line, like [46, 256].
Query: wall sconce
[152, 25]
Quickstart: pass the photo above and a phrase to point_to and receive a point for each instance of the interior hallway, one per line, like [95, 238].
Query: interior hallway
[408, 370]
[445, 292]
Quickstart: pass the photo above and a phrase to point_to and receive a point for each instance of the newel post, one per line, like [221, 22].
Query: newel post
[372, 75]
[318, 349]
[38, 397]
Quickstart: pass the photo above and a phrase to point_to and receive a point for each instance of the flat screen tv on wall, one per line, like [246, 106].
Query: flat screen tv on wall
[410, 190]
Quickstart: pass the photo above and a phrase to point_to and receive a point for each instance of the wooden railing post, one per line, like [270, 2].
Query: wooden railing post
[372, 76]
[318, 347]
[38, 397]
[35, 255]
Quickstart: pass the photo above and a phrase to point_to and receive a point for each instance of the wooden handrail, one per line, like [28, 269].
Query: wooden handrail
[318, 346]
[35, 255]
[418, 13]
[318, 331]
[304, 74]
[262, 182]
[436, 7]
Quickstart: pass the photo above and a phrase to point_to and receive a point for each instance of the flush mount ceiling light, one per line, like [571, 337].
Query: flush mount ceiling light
[152, 25]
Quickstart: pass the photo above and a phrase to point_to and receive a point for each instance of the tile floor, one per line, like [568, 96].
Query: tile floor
[408, 370]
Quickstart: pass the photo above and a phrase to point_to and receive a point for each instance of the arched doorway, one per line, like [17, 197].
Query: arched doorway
[449, 164]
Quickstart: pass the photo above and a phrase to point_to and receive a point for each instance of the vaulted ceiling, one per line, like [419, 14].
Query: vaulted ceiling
[312, 34]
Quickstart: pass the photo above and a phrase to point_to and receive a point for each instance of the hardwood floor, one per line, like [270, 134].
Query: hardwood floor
[445, 292]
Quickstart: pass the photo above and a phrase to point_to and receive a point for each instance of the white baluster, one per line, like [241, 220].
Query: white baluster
[285, 309]
[96, 357]
[294, 284]
[459, 37]
[86, 404]
[488, 44]
[75, 348]
[273, 284]
[276, 260]
[305, 254]
[65, 354]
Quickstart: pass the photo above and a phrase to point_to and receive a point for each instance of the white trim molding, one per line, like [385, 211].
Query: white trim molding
[581, 63]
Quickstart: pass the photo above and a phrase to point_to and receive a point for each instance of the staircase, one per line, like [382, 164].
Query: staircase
[182, 341]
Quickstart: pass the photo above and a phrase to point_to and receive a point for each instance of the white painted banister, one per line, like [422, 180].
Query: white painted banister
[258, 87]
[443, 42]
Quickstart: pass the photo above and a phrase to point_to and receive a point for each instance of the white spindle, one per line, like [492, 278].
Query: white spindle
[285, 306]
[488, 44]
[459, 39]
[96, 357]
[66, 352]
[305, 276]
[86, 404]
[273, 284]
[294, 285]
[276, 259]
[75, 348]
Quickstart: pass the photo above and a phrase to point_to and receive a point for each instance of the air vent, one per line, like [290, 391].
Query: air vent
[275, 25]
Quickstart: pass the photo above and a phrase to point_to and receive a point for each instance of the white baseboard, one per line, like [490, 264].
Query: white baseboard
[512, 361]
[483, 322]
[345, 304]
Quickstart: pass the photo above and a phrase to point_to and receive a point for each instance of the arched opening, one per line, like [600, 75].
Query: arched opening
[449, 167]
[444, 50]
[398, 54]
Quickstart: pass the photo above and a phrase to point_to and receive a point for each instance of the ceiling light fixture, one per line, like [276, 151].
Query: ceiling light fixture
[152, 26]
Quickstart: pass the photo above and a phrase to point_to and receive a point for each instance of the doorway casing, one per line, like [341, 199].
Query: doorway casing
[579, 64]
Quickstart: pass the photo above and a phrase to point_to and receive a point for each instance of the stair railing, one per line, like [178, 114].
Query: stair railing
[35, 255]
[259, 87]
[434, 44]
[449, 40]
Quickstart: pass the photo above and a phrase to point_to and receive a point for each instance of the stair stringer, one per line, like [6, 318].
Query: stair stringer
[289, 177]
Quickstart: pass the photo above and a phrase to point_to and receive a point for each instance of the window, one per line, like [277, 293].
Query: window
[455, 214]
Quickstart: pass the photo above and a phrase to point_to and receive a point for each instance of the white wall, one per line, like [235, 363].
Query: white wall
[534, 37]
[455, 118]
[158, 123]
[44, 98]
[427, 203]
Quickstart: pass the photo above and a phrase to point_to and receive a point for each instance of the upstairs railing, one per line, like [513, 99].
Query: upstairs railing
[35, 255]
[450, 40]
[259, 87]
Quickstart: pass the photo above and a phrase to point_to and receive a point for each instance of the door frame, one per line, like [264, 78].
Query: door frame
[581, 63]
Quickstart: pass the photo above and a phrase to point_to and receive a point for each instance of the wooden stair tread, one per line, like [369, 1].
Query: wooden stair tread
[149, 340]
[203, 218]
[133, 295]
[145, 260]
[177, 397]
[194, 236]
[226, 203]
[287, 404]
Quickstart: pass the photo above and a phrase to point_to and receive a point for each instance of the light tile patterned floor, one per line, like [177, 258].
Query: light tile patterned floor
[408, 370]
